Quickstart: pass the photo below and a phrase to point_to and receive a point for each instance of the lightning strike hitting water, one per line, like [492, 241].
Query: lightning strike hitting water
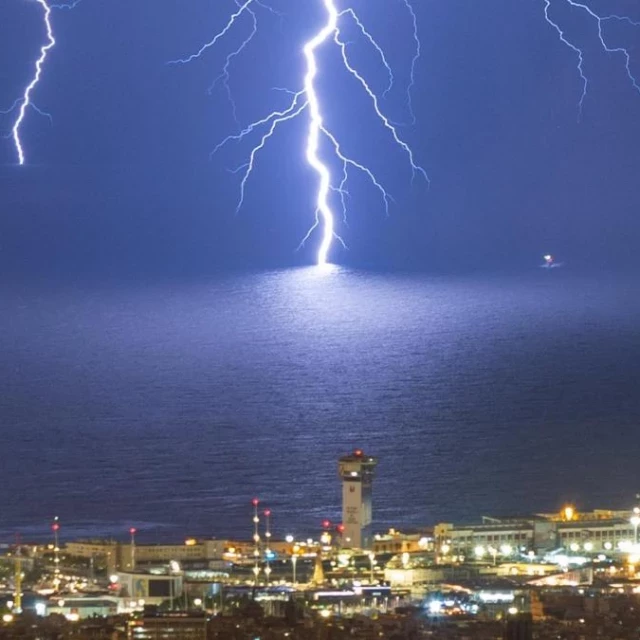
[600, 20]
[307, 101]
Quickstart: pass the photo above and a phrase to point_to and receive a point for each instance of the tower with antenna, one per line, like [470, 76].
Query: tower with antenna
[357, 471]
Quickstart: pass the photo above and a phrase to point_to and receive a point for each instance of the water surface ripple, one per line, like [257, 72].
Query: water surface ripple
[173, 405]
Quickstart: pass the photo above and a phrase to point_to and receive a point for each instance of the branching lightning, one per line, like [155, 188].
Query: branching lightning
[306, 100]
[414, 60]
[25, 102]
[600, 20]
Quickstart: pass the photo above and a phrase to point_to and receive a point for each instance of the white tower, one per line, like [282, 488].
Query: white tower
[356, 471]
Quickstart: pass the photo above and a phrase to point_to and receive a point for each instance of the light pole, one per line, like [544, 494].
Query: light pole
[132, 532]
[18, 580]
[267, 551]
[635, 522]
[294, 560]
[372, 560]
[256, 541]
[55, 527]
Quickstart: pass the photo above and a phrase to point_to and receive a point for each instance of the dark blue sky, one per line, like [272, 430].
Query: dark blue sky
[121, 181]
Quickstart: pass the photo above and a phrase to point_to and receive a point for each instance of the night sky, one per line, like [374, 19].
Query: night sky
[121, 181]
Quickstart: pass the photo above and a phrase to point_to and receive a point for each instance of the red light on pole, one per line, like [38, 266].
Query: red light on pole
[133, 531]
[267, 512]
[255, 502]
[340, 528]
[326, 524]
[55, 526]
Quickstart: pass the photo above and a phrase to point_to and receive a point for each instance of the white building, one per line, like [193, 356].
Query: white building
[78, 608]
[598, 531]
[151, 587]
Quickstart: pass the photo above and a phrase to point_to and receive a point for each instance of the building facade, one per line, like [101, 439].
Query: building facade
[599, 531]
[395, 541]
[149, 588]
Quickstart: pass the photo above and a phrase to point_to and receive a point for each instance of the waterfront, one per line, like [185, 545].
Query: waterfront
[176, 403]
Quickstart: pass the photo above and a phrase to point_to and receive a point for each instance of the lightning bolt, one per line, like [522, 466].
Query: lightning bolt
[306, 101]
[225, 76]
[414, 60]
[25, 102]
[600, 21]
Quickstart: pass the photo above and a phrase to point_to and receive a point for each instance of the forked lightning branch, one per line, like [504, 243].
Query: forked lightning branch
[307, 102]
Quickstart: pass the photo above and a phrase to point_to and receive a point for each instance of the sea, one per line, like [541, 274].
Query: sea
[170, 405]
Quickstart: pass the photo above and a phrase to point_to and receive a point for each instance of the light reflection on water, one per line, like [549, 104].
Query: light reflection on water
[177, 403]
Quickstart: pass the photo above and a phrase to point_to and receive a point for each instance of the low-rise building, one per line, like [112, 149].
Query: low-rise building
[600, 531]
[149, 588]
[126, 557]
[79, 608]
[395, 541]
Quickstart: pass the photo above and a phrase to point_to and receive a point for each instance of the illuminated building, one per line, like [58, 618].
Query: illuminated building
[357, 471]
[395, 541]
[117, 555]
[153, 588]
[80, 608]
[596, 531]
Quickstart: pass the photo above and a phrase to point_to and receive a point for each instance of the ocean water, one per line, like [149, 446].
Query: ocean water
[170, 406]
